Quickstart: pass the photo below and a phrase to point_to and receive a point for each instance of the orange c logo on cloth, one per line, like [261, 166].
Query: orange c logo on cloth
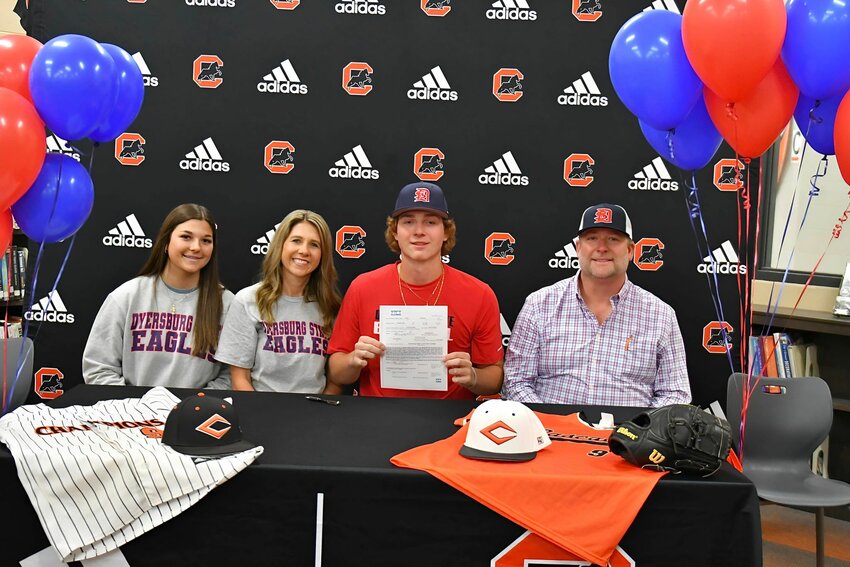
[130, 148]
[48, 383]
[437, 8]
[278, 156]
[578, 170]
[499, 248]
[647, 254]
[712, 337]
[727, 174]
[357, 78]
[587, 10]
[428, 164]
[285, 4]
[209, 427]
[490, 432]
[350, 241]
[206, 71]
[507, 85]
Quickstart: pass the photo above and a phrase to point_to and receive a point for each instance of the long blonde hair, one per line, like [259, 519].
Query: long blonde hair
[322, 286]
[208, 312]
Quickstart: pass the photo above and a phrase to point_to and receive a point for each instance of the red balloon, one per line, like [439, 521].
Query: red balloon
[732, 44]
[752, 124]
[5, 230]
[841, 135]
[16, 55]
[22, 146]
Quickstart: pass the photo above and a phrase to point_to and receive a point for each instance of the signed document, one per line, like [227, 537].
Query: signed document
[416, 337]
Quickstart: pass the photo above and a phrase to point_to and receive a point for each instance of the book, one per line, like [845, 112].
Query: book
[777, 354]
[784, 343]
[768, 347]
[797, 359]
[755, 356]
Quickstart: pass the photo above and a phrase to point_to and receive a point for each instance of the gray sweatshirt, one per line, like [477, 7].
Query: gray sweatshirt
[137, 340]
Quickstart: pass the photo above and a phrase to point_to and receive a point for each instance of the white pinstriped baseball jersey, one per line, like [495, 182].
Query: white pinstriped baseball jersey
[99, 476]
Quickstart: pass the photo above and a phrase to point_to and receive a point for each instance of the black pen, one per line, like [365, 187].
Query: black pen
[318, 399]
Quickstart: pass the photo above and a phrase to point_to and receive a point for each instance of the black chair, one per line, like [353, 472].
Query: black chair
[786, 420]
[10, 349]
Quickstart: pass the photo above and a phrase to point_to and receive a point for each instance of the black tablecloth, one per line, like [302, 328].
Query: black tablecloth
[373, 512]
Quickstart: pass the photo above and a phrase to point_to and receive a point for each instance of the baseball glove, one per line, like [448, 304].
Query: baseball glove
[678, 437]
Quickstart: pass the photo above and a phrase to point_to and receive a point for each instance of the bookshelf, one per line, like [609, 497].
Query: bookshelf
[12, 301]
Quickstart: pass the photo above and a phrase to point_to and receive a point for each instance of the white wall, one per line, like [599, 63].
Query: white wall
[9, 21]
[823, 214]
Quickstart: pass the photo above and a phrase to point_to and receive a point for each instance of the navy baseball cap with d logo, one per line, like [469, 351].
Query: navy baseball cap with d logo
[421, 196]
[204, 426]
[606, 215]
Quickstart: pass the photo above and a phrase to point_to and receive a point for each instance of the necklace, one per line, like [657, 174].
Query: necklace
[171, 294]
[438, 289]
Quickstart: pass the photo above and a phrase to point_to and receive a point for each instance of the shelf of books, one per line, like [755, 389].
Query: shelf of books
[13, 281]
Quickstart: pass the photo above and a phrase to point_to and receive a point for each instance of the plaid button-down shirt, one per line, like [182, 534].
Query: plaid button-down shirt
[559, 353]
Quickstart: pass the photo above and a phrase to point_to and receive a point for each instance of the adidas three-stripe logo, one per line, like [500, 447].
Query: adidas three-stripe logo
[205, 157]
[262, 245]
[722, 260]
[354, 165]
[654, 176]
[567, 258]
[514, 10]
[583, 92]
[51, 309]
[149, 80]
[669, 5]
[282, 80]
[57, 145]
[504, 171]
[128, 233]
[432, 86]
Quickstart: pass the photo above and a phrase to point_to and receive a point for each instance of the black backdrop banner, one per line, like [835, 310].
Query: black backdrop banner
[256, 108]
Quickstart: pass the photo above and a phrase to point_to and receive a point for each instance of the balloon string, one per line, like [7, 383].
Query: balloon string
[670, 134]
[31, 295]
[695, 217]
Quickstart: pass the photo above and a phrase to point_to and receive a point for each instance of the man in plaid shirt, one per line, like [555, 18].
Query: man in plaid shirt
[596, 338]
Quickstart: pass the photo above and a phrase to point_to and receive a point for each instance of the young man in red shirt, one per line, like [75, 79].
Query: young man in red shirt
[421, 232]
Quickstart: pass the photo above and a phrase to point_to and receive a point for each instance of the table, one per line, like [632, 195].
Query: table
[332, 462]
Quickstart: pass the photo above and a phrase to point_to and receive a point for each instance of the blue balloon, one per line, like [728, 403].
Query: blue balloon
[816, 50]
[650, 70]
[59, 201]
[72, 83]
[130, 91]
[816, 121]
[690, 145]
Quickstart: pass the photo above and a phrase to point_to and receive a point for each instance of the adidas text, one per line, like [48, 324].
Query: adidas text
[566, 263]
[431, 94]
[360, 8]
[575, 99]
[722, 268]
[502, 179]
[353, 173]
[511, 14]
[128, 241]
[282, 88]
[654, 184]
[212, 3]
[260, 249]
[49, 316]
[204, 165]
[150, 81]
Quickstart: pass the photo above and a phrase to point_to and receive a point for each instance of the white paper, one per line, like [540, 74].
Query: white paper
[416, 337]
